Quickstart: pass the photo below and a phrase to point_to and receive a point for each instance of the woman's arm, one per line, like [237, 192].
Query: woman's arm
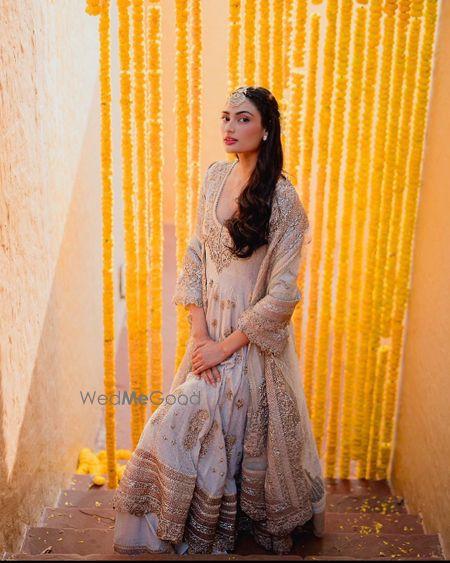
[188, 289]
[266, 322]
[233, 342]
[199, 328]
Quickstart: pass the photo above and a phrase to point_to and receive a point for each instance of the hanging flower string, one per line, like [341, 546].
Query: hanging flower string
[249, 44]
[181, 161]
[364, 273]
[352, 349]
[318, 410]
[341, 305]
[348, 322]
[195, 68]
[138, 94]
[409, 219]
[234, 47]
[305, 183]
[263, 68]
[102, 8]
[154, 167]
[128, 187]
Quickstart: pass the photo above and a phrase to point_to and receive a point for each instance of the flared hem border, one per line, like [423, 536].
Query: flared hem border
[139, 549]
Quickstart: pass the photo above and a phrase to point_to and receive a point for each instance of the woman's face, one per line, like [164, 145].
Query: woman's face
[243, 123]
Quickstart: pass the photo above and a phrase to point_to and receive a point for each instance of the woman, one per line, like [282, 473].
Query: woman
[238, 451]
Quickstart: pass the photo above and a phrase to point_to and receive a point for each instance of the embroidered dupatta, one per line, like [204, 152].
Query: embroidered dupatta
[282, 485]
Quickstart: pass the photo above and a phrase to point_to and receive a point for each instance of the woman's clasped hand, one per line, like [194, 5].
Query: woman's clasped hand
[206, 355]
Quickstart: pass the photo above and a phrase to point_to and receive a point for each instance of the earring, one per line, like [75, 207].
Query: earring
[265, 136]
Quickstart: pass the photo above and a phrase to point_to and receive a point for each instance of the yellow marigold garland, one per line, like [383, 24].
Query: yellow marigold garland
[403, 149]
[295, 80]
[318, 410]
[139, 91]
[94, 7]
[109, 381]
[249, 33]
[305, 171]
[276, 61]
[181, 161]
[195, 68]
[338, 320]
[379, 376]
[401, 161]
[155, 165]
[288, 35]
[264, 43]
[295, 70]
[234, 47]
[370, 340]
[129, 216]
[413, 181]
[358, 145]
[359, 314]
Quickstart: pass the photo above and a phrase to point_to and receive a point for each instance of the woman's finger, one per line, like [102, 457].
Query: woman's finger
[216, 373]
[213, 376]
[210, 377]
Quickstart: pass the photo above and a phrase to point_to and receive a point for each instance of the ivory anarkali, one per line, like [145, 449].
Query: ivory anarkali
[214, 459]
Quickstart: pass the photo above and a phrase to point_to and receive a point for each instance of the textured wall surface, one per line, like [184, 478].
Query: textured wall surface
[422, 452]
[50, 252]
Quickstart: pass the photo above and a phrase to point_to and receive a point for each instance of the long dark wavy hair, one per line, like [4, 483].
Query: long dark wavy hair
[250, 228]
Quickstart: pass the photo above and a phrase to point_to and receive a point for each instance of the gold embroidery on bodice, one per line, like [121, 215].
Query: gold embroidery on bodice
[216, 235]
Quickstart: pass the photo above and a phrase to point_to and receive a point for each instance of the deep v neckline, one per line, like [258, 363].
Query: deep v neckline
[219, 193]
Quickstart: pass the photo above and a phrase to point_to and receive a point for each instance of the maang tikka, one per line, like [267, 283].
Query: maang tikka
[238, 96]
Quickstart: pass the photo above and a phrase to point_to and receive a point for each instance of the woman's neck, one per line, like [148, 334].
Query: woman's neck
[246, 164]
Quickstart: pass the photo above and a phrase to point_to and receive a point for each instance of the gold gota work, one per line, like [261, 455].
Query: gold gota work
[243, 456]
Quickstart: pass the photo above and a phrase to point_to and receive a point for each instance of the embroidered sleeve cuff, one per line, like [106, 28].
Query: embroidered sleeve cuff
[188, 288]
[269, 334]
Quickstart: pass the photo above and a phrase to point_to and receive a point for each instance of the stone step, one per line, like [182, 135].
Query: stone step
[365, 503]
[366, 523]
[89, 541]
[163, 557]
[337, 486]
[93, 498]
[82, 482]
[358, 487]
[78, 518]
[83, 541]
[336, 522]
[102, 498]
[392, 546]
[144, 557]
[356, 546]
[343, 558]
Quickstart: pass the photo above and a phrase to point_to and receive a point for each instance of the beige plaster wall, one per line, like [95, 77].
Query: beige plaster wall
[50, 252]
[422, 451]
